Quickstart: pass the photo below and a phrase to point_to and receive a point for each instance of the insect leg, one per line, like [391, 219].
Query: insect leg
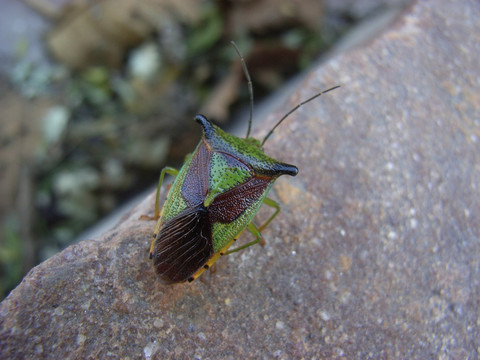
[273, 204]
[168, 170]
[258, 237]
[156, 214]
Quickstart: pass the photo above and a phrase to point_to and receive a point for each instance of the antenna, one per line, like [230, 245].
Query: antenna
[250, 87]
[294, 109]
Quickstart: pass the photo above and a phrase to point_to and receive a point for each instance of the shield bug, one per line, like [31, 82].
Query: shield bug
[214, 198]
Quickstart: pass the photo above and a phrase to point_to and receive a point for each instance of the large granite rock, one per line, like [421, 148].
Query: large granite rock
[375, 255]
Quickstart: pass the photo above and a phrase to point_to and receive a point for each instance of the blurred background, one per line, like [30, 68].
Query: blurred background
[96, 96]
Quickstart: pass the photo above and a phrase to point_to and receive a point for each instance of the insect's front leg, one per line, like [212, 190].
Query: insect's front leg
[169, 170]
[273, 204]
[156, 214]
[166, 170]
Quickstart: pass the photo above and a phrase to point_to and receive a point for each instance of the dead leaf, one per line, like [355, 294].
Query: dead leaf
[260, 16]
[101, 32]
[224, 94]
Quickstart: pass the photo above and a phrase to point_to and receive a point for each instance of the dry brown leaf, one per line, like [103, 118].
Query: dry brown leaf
[223, 95]
[260, 16]
[100, 33]
[20, 135]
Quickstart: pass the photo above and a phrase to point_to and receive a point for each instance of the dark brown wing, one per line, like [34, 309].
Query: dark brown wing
[228, 206]
[183, 245]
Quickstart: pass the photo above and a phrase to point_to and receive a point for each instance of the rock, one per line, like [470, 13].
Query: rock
[376, 251]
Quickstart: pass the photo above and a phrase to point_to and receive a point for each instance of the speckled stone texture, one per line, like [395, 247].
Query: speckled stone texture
[376, 253]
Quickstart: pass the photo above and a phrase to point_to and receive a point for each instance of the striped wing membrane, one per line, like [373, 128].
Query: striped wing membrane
[183, 245]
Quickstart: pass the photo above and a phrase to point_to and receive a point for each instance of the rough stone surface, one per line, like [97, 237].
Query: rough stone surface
[375, 255]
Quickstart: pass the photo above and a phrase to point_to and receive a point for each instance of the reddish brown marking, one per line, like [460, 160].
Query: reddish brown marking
[228, 206]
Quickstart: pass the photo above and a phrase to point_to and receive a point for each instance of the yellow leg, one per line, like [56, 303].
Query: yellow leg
[209, 264]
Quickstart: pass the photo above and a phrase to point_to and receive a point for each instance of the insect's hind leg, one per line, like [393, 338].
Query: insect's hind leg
[258, 237]
[257, 232]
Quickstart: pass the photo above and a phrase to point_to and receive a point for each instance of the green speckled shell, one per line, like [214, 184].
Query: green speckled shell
[221, 164]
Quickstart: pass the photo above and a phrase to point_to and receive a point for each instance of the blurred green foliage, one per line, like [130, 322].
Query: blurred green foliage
[11, 271]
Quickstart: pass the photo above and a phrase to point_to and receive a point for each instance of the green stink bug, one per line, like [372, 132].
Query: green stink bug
[214, 198]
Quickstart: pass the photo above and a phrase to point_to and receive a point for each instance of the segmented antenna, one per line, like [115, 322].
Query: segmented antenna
[294, 109]
[250, 86]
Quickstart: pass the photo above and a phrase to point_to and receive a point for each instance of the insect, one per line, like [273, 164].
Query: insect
[214, 198]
